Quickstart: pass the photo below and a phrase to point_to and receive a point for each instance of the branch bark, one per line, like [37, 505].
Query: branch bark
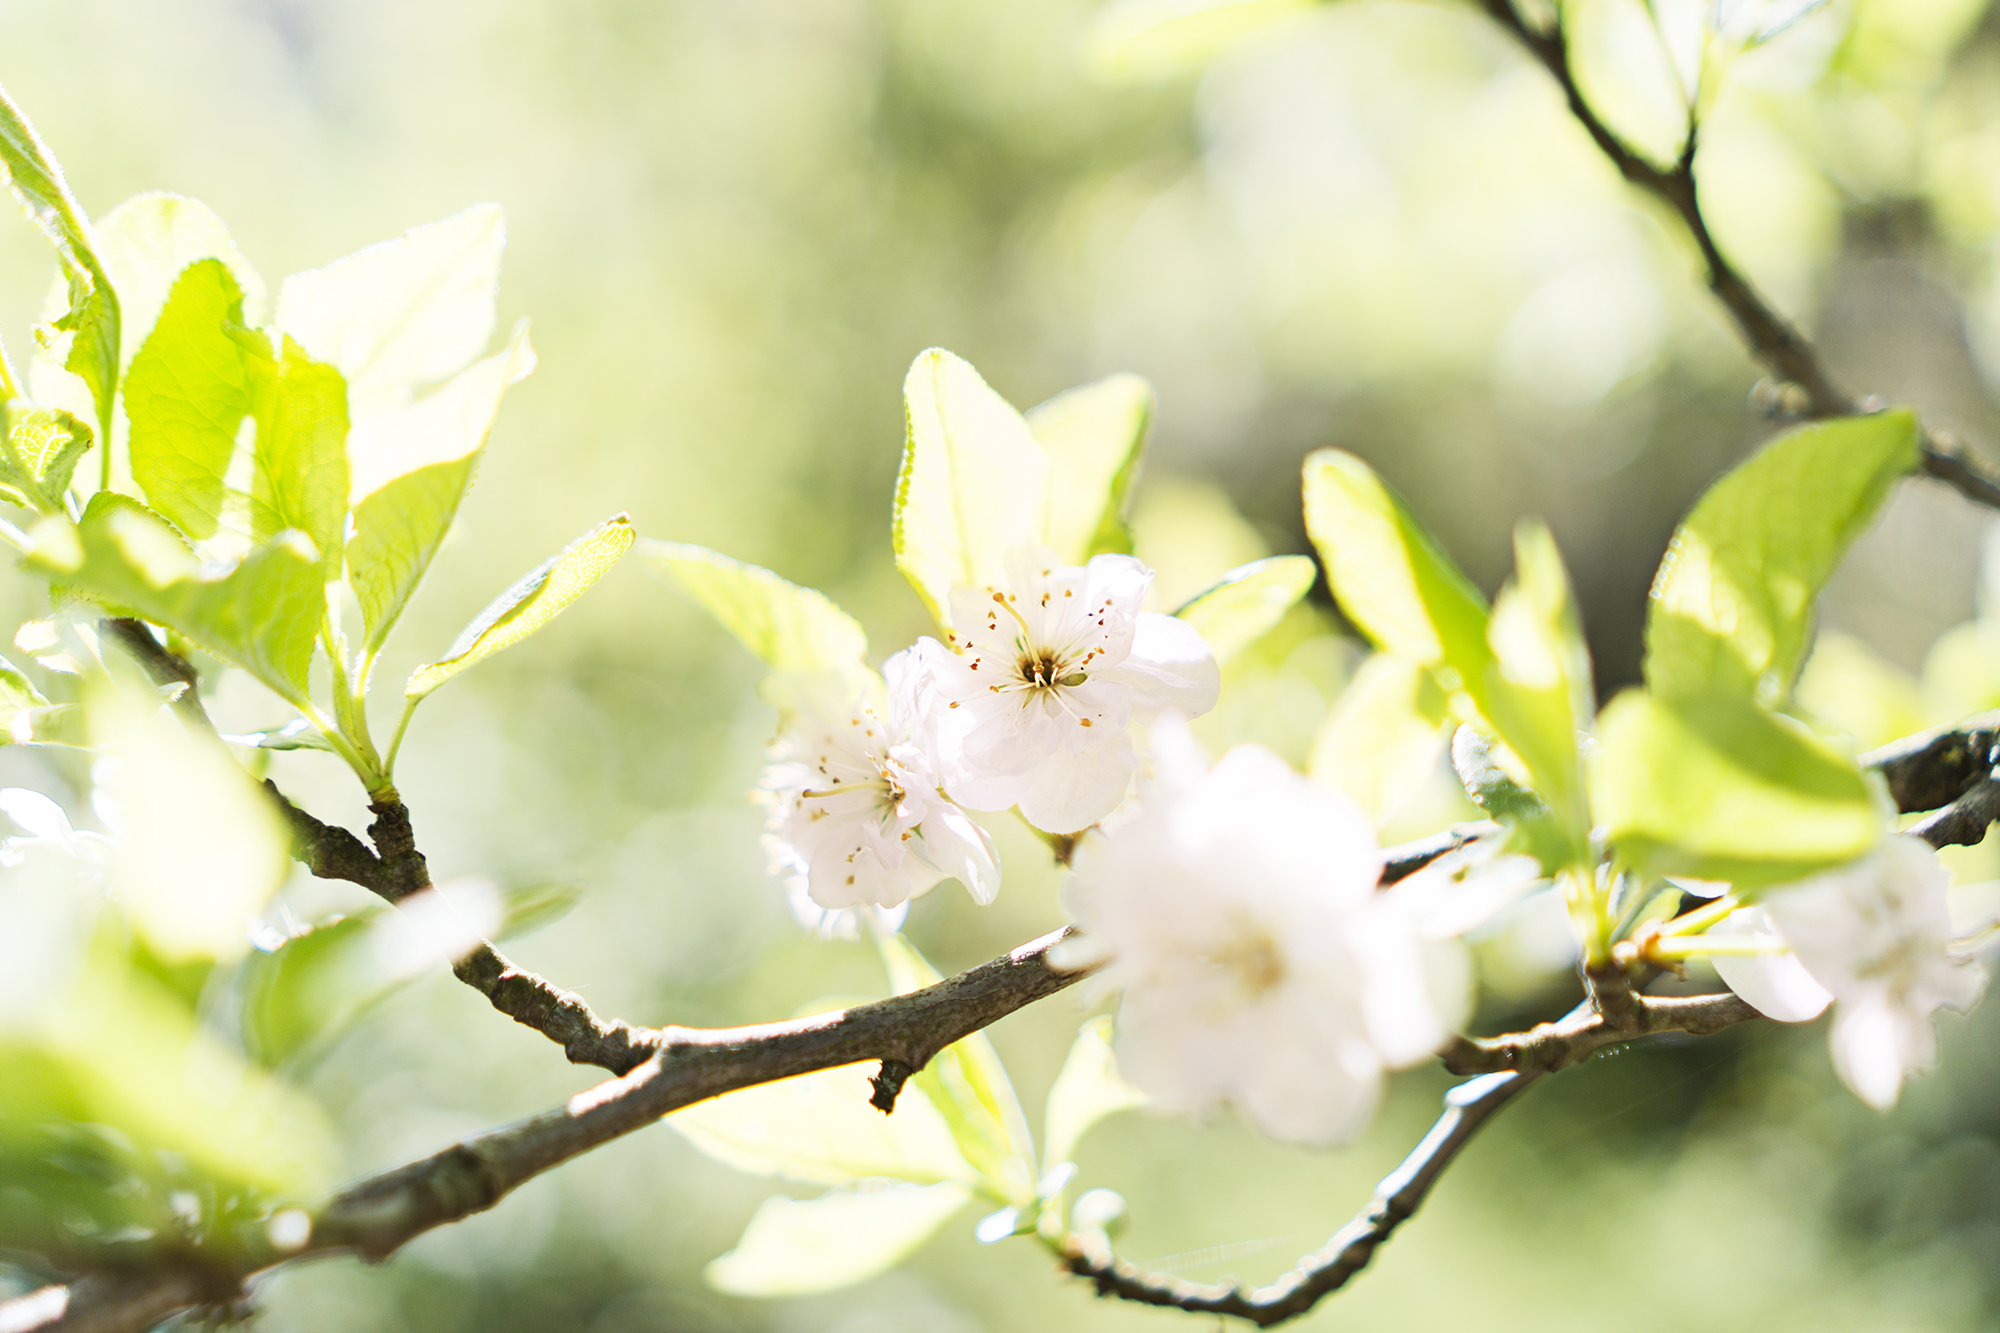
[1770, 338]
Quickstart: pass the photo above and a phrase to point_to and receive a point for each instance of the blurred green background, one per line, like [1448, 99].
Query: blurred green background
[1374, 227]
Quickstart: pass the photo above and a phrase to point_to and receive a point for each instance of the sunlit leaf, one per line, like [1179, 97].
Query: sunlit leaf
[1389, 574]
[410, 469]
[261, 613]
[91, 322]
[973, 484]
[1539, 696]
[403, 313]
[820, 1128]
[536, 599]
[300, 480]
[186, 395]
[1095, 437]
[1384, 735]
[1732, 603]
[791, 628]
[1248, 602]
[38, 455]
[148, 241]
[1087, 1090]
[794, 1247]
[1850, 685]
[1718, 788]
[530, 907]
[1141, 41]
[967, 1083]
[297, 997]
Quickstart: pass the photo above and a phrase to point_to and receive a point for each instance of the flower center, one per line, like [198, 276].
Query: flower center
[1252, 960]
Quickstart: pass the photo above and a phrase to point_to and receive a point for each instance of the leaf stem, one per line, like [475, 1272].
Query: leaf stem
[1701, 918]
[1732, 946]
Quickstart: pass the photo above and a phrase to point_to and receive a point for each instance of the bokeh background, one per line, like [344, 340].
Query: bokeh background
[1370, 226]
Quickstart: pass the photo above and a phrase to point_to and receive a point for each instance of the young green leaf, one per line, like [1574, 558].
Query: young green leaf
[1383, 736]
[973, 483]
[298, 996]
[1731, 607]
[410, 468]
[186, 396]
[819, 1128]
[1717, 788]
[147, 243]
[1087, 1090]
[1390, 576]
[261, 614]
[968, 1084]
[794, 1247]
[38, 455]
[1095, 437]
[301, 475]
[791, 628]
[92, 318]
[406, 312]
[1248, 602]
[1538, 692]
[531, 603]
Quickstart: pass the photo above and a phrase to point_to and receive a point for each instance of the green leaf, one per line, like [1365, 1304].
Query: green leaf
[147, 243]
[820, 1128]
[1384, 735]
[794, 1247]
[791, 628]
[38, 455]
[1718, 788]
[1487, 781]
[410, 469]
[1248, 602]
[1732, 603]
[1145, 41]
[406, 312]
[261, 613]
[539, 597]
[530, 907]
[967, 1083]
[186, 395]
[1087, 1090]
[1389, 574]
[299, 997]
[1538, 693]
[1095, 437]
[301, 475]
[92, 318]
[973, 483]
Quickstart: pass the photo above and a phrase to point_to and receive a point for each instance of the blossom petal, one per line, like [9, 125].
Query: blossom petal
[1776, 985]
[1068, 792]
[1171, 666]
[1874, 1046]
[1313, 1102]
[962, 850]
[36, 813]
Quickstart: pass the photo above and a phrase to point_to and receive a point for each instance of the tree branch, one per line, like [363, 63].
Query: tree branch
[1467, 1107]
[1934, 768]
[163, 666]
[1770, 337]
[1583, 1032]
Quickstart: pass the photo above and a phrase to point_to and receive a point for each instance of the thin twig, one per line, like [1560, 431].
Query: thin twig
[1770, 337]
[1583, 1032]
[163, 666]
[1934, 768]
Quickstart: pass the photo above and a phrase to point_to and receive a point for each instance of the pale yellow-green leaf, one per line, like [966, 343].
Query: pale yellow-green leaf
[1718, 788]
[1248, 602]
[1095, 437]
[1849, 684]
[408, 470]
[530, 604]
[300, 481]
[148, 241]
[791, 628]
[1384, 736]
[821, 1129]
[186, 396]
[794, 1247]
[1961, 673]
[972, 486]
[1087, 1090]
[402, 313]
[39, 450]
[1538, 694]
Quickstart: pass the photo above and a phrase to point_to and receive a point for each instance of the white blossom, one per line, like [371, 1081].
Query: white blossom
[1874, 938]
[49, 848]
[857, 823]
[1032, 703]
[1238, 913]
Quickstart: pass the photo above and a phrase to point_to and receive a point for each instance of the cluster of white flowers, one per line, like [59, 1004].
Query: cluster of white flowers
[1030, 705]
[1874, 939]
[1238, 912]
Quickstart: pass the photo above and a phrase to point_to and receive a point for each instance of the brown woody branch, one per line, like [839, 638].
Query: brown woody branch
[1769, 336]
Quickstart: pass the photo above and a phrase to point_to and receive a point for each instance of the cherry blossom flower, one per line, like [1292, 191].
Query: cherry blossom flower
[1874, 938]
[857, 822]
[1033, 702]
[49, 848]
[1238, 913]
